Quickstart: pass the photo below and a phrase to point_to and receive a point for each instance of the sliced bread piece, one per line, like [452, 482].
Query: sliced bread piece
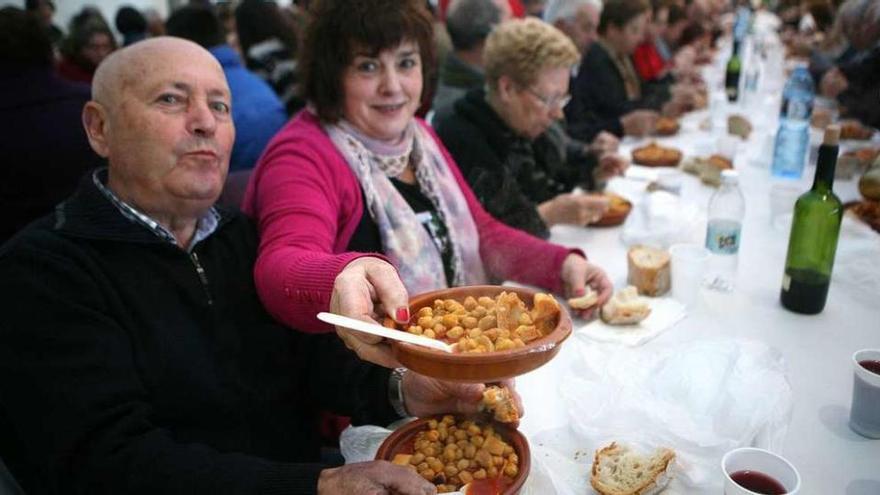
[620, 470]
[649, 270]
[586, 301]
[625, 308]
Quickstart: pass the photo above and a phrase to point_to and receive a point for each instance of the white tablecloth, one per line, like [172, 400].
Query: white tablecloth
[816, 350]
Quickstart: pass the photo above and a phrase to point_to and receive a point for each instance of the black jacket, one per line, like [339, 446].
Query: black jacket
[125, 370]
[509, 174]
[861, 100]
[598, 96]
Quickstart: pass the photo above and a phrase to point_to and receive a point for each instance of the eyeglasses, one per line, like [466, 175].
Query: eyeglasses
[551, 102]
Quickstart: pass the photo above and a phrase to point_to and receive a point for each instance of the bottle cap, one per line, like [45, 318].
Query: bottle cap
[729, 176]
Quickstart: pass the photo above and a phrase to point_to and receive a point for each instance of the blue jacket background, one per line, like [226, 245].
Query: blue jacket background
[257, 112]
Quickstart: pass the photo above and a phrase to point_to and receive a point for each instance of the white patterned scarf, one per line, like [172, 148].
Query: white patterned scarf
[406, 242]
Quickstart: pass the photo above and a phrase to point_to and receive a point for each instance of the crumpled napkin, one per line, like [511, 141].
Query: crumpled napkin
[665, 313]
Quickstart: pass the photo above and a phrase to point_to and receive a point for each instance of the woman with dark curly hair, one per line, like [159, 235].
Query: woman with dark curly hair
[357, 177]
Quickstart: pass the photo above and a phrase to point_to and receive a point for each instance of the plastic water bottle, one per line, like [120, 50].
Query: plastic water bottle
[793, 136]
[742, 23]
[723, 233]
[752, 77]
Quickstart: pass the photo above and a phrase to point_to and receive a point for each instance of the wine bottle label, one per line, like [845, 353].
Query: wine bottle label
[786, 282]
[722, 236]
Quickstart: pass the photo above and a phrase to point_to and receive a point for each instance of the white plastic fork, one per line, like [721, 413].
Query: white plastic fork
[388, 333]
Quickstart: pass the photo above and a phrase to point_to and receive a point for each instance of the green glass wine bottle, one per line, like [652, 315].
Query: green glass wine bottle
[813, 239]
[731, 79]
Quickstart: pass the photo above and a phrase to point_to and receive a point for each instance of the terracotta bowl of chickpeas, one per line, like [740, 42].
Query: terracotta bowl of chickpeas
[451, 452]
[498, 332]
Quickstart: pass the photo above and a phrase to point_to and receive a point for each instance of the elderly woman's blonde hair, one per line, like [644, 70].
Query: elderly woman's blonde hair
[521, 48]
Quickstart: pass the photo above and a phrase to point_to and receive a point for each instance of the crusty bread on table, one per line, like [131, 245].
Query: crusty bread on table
[620, 470]
[649, 270]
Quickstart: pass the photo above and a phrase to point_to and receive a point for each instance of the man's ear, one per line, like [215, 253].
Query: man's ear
[94, 119]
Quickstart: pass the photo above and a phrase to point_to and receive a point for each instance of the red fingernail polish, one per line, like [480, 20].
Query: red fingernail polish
[580, 292]
[402, 314]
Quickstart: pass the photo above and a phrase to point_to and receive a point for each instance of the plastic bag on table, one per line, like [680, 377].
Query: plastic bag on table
[858, 250]
[701, 399]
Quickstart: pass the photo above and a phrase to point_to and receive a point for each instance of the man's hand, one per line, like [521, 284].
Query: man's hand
[428, 396]
[639, 122]
[604, 142]
[373, 478]
[577, 273]
[573, 209]
[367, 289]
[610, 165]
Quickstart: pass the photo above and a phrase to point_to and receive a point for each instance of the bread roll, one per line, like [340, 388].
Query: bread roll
[739, 126]
[619, 470]
[649, 270]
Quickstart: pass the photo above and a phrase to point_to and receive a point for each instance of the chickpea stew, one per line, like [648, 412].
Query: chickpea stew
[451, 453]
[486, 324]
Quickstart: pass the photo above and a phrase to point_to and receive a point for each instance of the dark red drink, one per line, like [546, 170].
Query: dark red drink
[758, 482]
[871, 365]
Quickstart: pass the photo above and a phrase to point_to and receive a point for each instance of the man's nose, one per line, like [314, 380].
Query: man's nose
[201, 121]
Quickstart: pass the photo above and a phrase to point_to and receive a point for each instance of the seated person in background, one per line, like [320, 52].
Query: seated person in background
[534, 8]
[468, 22]
[256, 109]
[44, 10]
[514, 6]
[607, 93]
[131, 24]
[520, 164]
[669, 39]
[578, 19]
[360, 174]
[655, 67]
[649, 64]
[268, 39]
[135, 356]
[43, 146]
[88, 42]
[855, 83]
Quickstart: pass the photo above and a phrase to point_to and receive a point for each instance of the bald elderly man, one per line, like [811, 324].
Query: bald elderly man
[135, 356]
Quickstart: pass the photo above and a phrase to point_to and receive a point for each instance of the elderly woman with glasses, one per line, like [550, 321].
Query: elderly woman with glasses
[507, 139]
[356, 180]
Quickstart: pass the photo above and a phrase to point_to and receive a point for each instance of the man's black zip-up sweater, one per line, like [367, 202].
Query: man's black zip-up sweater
[125, 370]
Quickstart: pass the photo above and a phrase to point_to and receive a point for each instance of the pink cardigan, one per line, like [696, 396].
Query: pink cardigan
[307, 203]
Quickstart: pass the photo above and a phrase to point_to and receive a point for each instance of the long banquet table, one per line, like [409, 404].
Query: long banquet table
[816, 350]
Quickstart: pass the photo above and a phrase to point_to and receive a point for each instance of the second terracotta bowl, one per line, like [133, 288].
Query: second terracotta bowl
[401, 442]
[479, 367]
